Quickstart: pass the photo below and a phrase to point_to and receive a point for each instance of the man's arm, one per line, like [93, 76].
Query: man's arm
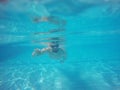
[38, 51]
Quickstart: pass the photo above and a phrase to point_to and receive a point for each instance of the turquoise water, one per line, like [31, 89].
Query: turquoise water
[90, 36]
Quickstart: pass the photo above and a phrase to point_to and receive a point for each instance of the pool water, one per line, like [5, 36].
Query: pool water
[88, 31]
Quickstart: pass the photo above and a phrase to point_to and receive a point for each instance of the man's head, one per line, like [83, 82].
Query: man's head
[54, 47]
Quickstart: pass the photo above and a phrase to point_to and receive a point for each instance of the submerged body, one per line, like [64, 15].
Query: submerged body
[53, 50]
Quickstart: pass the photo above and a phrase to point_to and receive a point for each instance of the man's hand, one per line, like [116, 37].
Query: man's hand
[36, 52]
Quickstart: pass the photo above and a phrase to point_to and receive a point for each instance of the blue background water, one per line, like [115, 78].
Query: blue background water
[92, 43]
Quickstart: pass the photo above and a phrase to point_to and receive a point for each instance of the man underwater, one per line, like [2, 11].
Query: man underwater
[54, 50]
